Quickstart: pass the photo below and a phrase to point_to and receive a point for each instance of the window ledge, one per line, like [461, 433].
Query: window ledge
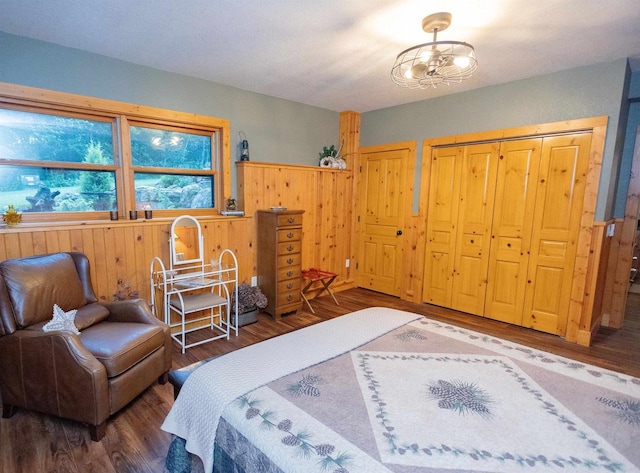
[71, 225]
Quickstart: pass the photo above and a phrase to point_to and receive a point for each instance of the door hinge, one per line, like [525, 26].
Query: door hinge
[358, 218]
[361, 168]
[356, 265]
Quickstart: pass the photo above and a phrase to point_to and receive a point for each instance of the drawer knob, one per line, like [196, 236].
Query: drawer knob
[290, 235]
[290, 248]
[289, 273]
[508, 245]
[290, 285]
[290, 260]
[291, 220]
[289, 297]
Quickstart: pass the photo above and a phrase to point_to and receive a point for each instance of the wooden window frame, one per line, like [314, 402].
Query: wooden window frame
[32, 99]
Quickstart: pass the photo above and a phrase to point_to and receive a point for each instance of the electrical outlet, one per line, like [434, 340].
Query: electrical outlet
[254, 280]
[611, 228]
[346, 263]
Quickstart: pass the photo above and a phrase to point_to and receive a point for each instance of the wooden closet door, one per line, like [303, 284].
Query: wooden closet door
[383, 199]
[444, 197]
[511, 230]
[475, 214]
[556, 223]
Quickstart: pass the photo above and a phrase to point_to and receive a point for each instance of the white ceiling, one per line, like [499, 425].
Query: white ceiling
[335, 54]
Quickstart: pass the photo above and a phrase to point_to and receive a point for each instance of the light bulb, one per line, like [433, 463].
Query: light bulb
[425, 56]
[461, 61]
[418, 70]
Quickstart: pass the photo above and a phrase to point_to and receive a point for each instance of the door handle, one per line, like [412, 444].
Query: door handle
[399, 232]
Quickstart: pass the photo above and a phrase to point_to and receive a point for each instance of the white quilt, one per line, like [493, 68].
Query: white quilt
[208, 390]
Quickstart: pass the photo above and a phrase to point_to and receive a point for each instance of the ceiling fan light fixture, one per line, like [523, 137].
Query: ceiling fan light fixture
[438, 62]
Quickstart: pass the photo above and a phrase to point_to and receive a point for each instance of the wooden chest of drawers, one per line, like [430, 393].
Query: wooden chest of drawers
[279, 259]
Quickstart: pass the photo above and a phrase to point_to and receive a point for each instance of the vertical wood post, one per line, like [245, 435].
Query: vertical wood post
[350, 141]
[627, 237]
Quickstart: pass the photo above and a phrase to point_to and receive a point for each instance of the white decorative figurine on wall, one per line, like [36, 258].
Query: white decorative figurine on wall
[331, 158]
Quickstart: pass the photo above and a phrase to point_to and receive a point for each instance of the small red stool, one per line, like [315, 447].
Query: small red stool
[314, 275]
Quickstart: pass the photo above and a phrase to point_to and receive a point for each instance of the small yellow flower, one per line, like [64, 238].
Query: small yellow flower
[11, 216]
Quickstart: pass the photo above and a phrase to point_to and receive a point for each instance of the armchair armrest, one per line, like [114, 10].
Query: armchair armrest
[133, 310]
[138, 311]
[52, 372]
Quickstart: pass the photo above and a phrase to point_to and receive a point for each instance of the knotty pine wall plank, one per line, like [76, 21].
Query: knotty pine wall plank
[324, 194]
[123, 251]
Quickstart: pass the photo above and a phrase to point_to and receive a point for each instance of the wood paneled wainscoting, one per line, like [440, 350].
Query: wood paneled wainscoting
[120, 252]
[326, 196]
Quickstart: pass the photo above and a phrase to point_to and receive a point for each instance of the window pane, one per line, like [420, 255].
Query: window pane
[34, 189]
[39, 137]
[151, 147]
[173, 191]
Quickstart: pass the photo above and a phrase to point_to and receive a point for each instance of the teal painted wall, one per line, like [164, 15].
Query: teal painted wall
[577, 93]
[634, 88]
[288, 132]
[633, 122]
[278, 130]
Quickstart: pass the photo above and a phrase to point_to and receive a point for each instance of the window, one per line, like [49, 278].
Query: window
[63, 160]
[171, 167]
[56, 163]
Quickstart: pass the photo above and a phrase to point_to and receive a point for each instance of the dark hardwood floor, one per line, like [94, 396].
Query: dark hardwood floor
[32, 442]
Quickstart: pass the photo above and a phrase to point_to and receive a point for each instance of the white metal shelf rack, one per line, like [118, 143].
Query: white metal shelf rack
[191, 286]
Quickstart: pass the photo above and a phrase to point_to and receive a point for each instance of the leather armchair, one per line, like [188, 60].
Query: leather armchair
[121, 350]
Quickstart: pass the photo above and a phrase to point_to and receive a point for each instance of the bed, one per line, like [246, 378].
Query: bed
[382, 390]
